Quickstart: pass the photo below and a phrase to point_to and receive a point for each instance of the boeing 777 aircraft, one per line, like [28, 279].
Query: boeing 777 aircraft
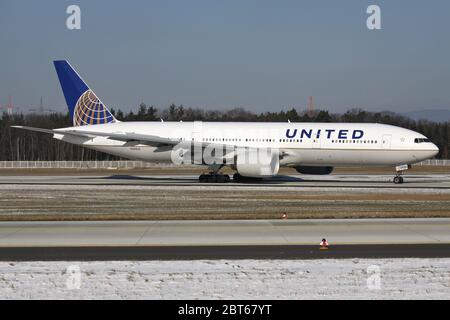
[253, 149]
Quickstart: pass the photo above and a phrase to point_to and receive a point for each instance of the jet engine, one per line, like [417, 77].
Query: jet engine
[257, 163]
[314, 170]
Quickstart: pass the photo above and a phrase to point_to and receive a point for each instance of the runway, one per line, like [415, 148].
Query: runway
[224, 239]
[286, 252]
[225, 232]
[437, 181]
[259, 239]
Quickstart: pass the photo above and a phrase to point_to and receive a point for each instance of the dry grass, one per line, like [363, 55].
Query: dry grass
[174, 203]
[228, 216]
[154, 203]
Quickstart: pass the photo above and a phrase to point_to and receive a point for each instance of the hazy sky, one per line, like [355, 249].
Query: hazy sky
[256, 54]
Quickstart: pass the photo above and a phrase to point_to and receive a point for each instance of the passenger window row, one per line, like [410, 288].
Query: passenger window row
[355, 141]
[292, 140]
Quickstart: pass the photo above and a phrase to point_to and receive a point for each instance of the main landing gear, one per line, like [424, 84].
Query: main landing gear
[398, 179]
[214, 176]
[217, 177]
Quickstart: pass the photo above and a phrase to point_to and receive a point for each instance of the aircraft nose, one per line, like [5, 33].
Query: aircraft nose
[434, 149]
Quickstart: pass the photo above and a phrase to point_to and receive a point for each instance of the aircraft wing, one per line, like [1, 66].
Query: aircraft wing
[120, 136]
[128, 136]
[51, 131]
[146, 139]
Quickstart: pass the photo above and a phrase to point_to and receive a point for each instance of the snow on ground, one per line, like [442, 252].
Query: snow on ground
[228, 279]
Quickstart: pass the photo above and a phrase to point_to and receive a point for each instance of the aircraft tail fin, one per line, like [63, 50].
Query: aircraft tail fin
[84, 106]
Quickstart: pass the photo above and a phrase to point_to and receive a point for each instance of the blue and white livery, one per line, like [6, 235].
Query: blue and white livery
[84, 106]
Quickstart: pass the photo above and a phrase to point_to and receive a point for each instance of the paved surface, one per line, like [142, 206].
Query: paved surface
[187, 240]
[223, 252]
[348, 180]
[226, 232]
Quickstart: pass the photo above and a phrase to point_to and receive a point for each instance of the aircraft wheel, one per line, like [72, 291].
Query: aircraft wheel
[214, 178]
[398, 180]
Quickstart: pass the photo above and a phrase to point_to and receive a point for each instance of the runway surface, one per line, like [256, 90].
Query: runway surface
[262, 239]
[438, 181]
[291, 252]
[225, 232]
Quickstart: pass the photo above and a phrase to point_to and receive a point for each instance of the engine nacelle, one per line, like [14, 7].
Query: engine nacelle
[257, 163]
[314, 170]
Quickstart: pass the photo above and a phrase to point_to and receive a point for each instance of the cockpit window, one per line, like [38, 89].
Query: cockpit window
[421, 140]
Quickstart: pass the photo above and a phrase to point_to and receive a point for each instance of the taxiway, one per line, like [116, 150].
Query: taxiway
[336, 181]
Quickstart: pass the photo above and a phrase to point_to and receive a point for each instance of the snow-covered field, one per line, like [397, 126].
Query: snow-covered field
[228, 279]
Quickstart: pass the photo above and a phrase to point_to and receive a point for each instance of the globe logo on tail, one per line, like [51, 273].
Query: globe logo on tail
[90, 110]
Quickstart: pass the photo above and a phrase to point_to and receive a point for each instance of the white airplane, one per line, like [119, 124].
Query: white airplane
[253, 149]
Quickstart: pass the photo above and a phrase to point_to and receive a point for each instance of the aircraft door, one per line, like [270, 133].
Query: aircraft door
[197, 131]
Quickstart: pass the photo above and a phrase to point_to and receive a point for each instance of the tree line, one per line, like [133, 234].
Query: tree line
[21, 145]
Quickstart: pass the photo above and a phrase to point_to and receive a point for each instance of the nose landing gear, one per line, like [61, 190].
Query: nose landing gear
[398, 179]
